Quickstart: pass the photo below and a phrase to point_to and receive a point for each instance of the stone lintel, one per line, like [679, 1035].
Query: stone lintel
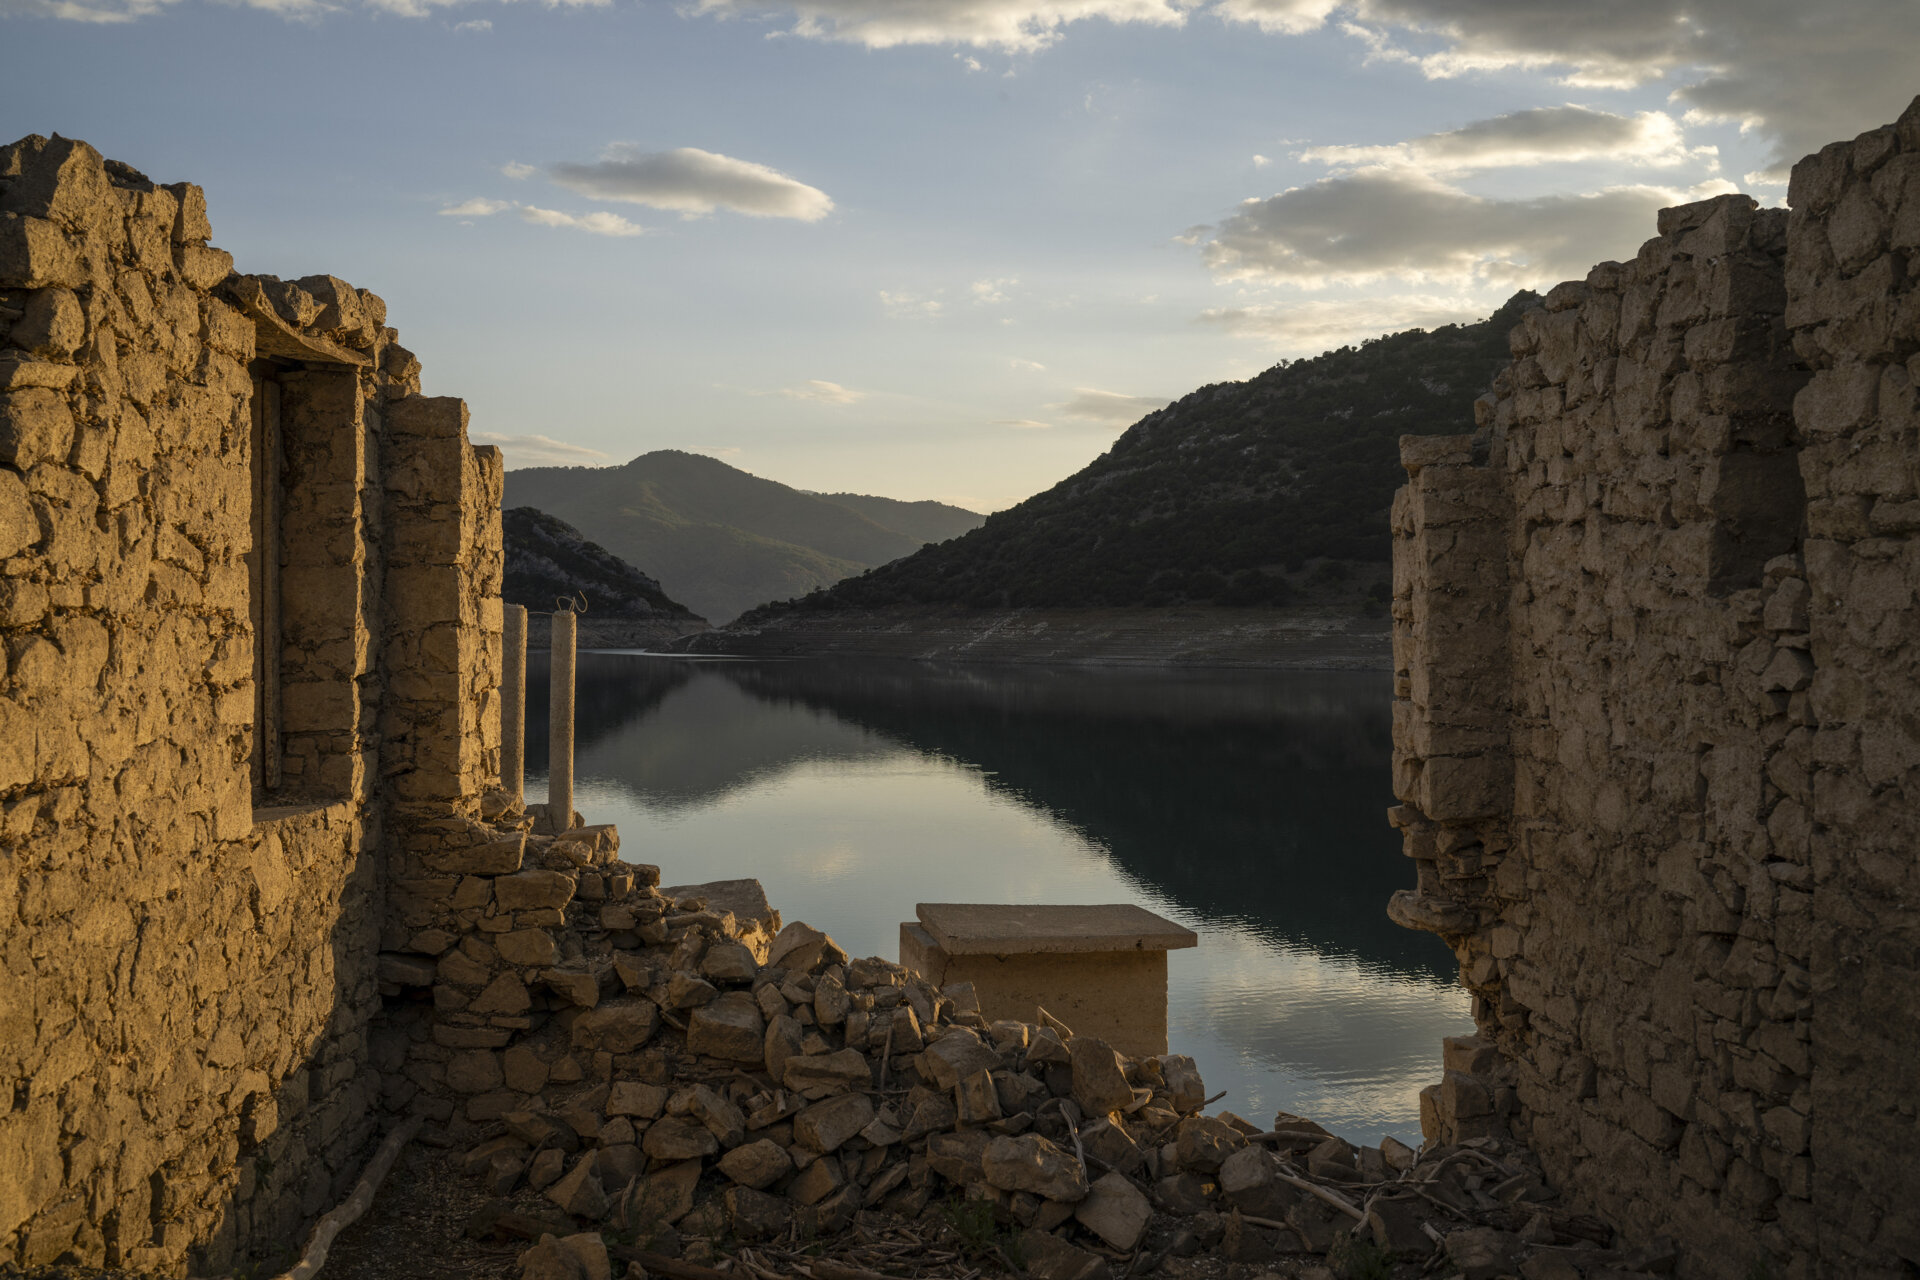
[1004, 929]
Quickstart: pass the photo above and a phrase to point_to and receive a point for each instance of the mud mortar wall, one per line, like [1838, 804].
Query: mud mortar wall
[1657, 719]
[187, 959]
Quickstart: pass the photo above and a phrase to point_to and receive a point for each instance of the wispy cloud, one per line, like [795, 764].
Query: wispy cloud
[900, 305]
[540, 451]
[1023, 424]
[991, 292]
[823, 391]
[692, 182]
[517, 171]
[478, 207]
[1380, 224]
[474, 24]
[995, 24]
[1537, 136]
[1113, 407]
[1030, 366]
[599, 222]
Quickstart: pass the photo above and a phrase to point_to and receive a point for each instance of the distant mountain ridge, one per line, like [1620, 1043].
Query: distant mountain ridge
[1271, 492]
[548, 559]
[722, 539]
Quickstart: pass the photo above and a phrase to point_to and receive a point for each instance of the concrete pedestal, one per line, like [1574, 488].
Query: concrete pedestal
[1102, 970]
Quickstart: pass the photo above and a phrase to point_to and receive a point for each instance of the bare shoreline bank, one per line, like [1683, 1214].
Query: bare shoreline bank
[1304, 639]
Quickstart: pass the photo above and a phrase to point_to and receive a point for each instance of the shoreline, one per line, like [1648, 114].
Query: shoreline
[1323, 639]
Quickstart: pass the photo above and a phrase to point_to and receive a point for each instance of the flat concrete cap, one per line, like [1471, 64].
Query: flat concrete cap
[1004, 929]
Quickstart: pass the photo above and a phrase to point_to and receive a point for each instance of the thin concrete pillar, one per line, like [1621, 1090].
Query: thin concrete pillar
[560, 724]
[513, 702]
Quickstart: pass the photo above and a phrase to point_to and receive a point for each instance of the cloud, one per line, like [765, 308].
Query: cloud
[475, 24]
[1109, 406]
[517, 171]
[910, 306]
[478, 207]
[1314, 325]
[599, 223]
[824, 392]
[995, 24]
[1260, 161]
[1379, 224]
[1031, 366]
[693, 182]
[992, 291]
[1799, 76]
[1023, 424]
[1538, 136]
[540, 451]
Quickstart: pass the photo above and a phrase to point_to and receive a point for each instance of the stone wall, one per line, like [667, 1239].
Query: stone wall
[1656, 723]
[194, 847]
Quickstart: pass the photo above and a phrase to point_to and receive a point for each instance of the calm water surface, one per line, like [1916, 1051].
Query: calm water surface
[1248, 807]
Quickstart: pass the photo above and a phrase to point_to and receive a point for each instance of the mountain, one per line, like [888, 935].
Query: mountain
[720, 539]
[922, 521]
[1273, 491]
[547, 558]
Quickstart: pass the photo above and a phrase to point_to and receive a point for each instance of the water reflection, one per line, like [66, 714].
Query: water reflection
[1249, 807]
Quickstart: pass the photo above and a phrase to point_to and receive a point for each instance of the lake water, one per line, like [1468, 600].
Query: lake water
[1249, 807]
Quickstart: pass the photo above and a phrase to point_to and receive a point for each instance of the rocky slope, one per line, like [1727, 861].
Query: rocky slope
[1273, 491]
[724, 540]
[548, 559]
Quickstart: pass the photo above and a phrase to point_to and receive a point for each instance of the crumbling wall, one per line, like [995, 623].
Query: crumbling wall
[1655, 713]
[188, 955]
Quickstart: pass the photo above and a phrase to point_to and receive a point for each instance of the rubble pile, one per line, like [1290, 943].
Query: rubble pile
[691, 1097]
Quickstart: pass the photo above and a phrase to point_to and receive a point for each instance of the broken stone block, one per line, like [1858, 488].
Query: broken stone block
[1182, 1195]
[1481, 1253]
[830, 1001]
[1203, 1144]
[1033, 1164]
[801, 948]
[632, 1098]
[660, 1199]
[757, 1164]
[687, 991]
[1116, 1211]
[533, 890]
[1184, 1086]
[730, 963]
[817, 1075]
[722, 1118]
[956, 1055]
[475, 1071]
[976, 1100]
[673, 1138]
[505, 994]
[619, 1026]
[817, 1181]
[957, 1157]
[579, 1192]
[825, 1126]
[753, 1214]
[523, 1070]
[782, 1043]
[545, 1168]
[1099, 1080]
[730, 1028]
[405, 970]
[528, 947]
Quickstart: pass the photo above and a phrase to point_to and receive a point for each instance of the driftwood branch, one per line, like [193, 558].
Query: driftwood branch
[1333, 1198]
[356, 1204]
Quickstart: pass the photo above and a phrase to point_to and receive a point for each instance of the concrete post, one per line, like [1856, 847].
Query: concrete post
[560, 724]
[513, 702]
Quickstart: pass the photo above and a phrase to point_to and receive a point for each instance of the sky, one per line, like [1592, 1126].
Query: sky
[937, 249]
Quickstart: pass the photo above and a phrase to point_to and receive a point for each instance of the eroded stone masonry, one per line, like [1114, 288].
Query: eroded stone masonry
[249, 598]
[1658, 721]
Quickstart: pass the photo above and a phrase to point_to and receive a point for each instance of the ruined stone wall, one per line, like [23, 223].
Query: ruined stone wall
[1655, 716]
[188, 950]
